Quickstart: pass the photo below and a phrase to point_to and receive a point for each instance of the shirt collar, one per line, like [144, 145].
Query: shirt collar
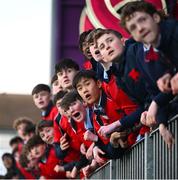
[47, 111]
[87, 123]
[96, 106]
[146, 47]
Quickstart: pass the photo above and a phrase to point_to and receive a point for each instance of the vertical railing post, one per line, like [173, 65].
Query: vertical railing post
[148, 153]
[112, 169]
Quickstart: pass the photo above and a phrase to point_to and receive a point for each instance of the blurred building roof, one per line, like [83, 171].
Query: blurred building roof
[13, 106]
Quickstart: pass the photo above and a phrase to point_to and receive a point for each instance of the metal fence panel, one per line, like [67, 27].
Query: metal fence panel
[148, 159]
[165, 160]
[103, 172]
[131, 165]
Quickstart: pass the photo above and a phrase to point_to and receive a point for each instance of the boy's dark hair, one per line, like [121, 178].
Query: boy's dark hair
[65, 64]
[141, 6]
[22, 120]
[82, 39]
[69, 98]
[54, 78]
[59, 96]
[100, 32]
[11, 156]
[41, 87]
[89, 74]
[29, 129]
[43, 123]
[7, 155]
[33, 142]
[15, 140]
[90, 38]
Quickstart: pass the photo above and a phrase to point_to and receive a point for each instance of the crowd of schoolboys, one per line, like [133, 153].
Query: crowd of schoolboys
[127, 88]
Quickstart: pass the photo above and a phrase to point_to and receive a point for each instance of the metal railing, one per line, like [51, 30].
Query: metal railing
[148, 159]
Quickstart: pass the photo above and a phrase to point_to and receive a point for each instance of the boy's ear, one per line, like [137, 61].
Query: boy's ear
[156, 18]
[99, 84]
[123, 40]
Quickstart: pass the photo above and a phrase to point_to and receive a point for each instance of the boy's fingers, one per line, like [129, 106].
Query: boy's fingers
[86, 135]
[174, 85]
[100, 160]
[143, 118]
[163, 83]
[64, 136]
[101, 131]
[171, 142]
[150, 120]
[63, 141]
[101, 152]
[64, 146]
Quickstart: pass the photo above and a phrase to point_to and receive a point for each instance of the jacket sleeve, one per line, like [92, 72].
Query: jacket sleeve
[130, 120]
[162, 99]
[59, 152]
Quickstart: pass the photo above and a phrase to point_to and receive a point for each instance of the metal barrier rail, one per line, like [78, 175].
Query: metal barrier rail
[148, 159]
[165, 161]
[104, 172]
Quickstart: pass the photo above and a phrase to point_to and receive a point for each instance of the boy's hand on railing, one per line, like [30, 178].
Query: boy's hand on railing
[119, 139]
[58, 168]
[42, 178]
[174, 84]
[97, 152]
[68, 174]
[163, 83]
[74, 172]
[86, 170]
[106, 130]
[90, 168]
[143, 118]
[167, 135]
[89, 153]
[151, 114]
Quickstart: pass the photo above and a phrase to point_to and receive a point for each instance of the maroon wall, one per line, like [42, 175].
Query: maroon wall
[65, 30]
